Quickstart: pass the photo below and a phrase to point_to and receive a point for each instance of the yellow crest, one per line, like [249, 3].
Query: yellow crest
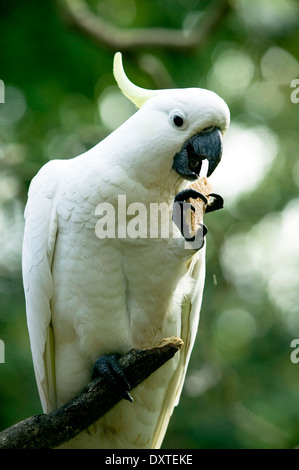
[134, 93]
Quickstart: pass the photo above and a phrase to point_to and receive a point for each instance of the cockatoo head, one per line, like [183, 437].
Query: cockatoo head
[188, 125]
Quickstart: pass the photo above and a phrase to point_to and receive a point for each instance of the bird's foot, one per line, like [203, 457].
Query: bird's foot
[109, 367]
[182, 216]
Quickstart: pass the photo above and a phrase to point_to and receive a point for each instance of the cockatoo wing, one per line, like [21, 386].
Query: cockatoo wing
[190, 318]
[38, 249]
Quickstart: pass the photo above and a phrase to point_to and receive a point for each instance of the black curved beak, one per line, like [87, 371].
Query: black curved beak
[204, 145]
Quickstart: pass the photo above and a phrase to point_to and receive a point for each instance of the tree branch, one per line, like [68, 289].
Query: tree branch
[81, 18]
[49, 431]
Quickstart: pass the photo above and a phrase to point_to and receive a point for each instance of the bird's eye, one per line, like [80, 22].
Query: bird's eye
[178, 119]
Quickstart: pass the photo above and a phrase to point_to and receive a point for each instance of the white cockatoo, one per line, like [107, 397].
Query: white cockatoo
[91, 293]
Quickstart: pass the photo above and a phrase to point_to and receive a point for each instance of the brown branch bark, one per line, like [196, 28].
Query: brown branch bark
[49, 431]
[81, 18]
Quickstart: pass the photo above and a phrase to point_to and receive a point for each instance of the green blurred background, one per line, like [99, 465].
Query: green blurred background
[242, 390]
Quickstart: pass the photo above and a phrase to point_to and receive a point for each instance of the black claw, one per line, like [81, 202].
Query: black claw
[204, 230]
[127, 396]
[189, 193]
[216, 204]
[108, 367]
